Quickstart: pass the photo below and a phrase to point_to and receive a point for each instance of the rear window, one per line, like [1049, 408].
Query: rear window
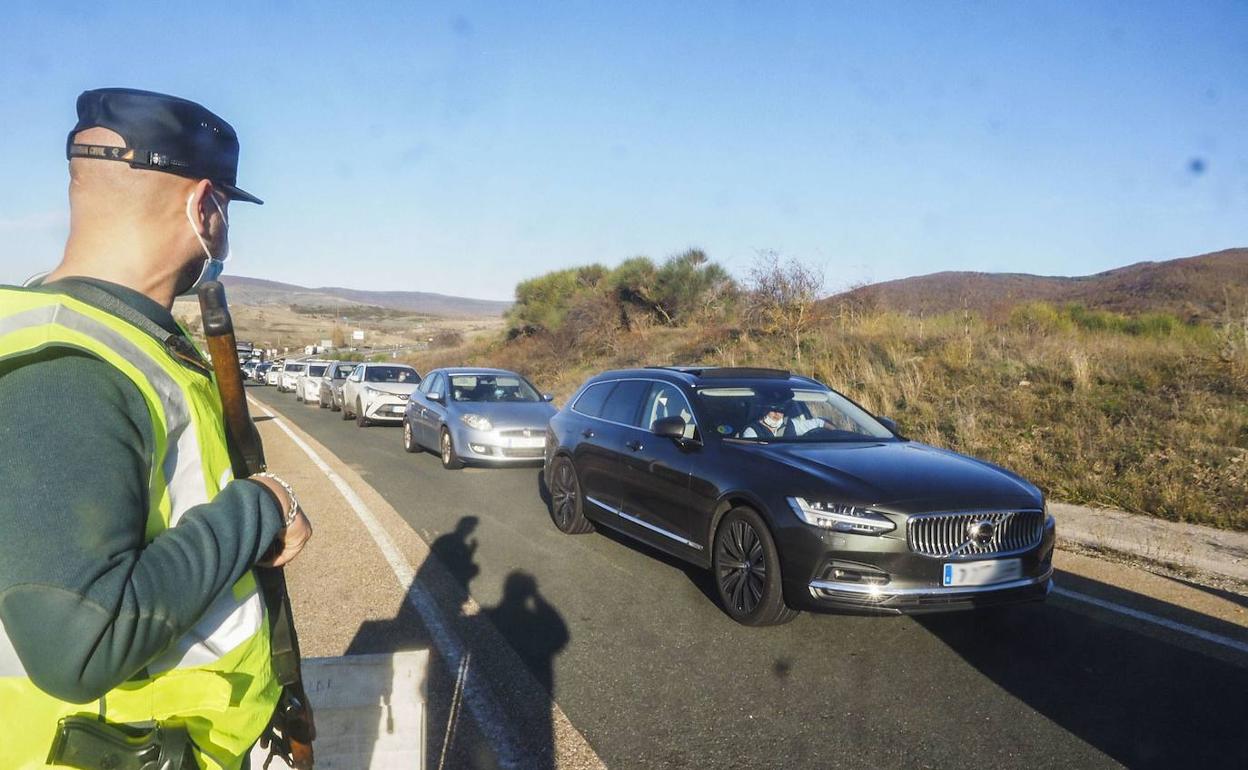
[293, 368]
[591, 401]
[343, 371]
[316, 371]
[624, 401]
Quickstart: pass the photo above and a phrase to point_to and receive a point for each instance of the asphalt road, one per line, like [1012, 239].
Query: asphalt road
[633, 648]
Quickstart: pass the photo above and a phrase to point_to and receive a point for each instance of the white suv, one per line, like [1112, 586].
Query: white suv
[290, 375]
[308, 386]
[378, 393]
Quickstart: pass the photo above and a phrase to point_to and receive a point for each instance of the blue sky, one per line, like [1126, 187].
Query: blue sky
[459, 148]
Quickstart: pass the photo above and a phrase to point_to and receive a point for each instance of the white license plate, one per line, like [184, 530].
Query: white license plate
[982, 573]
[526, 443]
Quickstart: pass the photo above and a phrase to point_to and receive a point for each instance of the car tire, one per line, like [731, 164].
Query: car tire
[567, 504]
[360, 419]
[746, 569]
[333, 406]
[450, 460]
[299, 396]
[346, 413]
[410, 444]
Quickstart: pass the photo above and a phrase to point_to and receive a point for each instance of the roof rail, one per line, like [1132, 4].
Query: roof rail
[712, 372]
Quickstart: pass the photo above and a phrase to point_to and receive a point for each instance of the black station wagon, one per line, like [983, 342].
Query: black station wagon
[793, 495]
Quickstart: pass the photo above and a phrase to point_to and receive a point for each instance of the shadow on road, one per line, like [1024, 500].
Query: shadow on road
[521, 625]
[1142, 700]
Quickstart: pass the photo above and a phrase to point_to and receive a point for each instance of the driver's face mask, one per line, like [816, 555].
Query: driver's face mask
[213, 267]
[772, 421]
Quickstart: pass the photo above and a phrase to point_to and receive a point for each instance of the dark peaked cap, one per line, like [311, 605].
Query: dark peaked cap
[162, 133]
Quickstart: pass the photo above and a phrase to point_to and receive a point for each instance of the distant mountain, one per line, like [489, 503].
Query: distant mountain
[255, 291]
[1194, 287]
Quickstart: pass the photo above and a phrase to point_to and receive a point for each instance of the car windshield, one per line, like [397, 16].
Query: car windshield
[316, 370]
[391, 374]
[343, 371]
[784, 413]
[293, 368]
[491, 387]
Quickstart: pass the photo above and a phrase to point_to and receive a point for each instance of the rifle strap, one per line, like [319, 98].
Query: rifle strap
[283, 641]
[178, 346]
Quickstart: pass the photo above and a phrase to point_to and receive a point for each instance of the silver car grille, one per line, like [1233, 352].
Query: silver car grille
[522, 433]
[946, 535]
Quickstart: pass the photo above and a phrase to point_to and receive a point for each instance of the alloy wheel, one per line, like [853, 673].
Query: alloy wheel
[564, 494]
[742, 568]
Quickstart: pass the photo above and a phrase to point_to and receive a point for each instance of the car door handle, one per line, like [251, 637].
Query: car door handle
[634, 445]
[588, 433]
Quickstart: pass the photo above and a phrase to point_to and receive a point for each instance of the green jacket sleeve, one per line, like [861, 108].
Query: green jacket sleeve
[84, 600]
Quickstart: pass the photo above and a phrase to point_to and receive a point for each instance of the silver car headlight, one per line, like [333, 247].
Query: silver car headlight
[371, 392]
[841, 518]
[476, 421]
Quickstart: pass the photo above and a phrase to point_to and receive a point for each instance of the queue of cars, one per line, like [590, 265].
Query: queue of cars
[792, 495]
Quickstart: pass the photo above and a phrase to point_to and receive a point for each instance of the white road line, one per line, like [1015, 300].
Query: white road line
[1148, 617]
[477, 695]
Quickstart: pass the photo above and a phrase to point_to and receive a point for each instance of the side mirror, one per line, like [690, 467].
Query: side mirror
[548, 396]
[669, 427]
[434, 396]
[890, 423]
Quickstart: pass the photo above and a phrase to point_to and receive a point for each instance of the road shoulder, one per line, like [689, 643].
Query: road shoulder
[349, 598]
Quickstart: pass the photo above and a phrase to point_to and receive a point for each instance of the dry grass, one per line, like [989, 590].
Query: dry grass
[1154, 422]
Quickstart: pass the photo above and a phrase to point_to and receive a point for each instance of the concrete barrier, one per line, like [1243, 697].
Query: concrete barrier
[370, 711]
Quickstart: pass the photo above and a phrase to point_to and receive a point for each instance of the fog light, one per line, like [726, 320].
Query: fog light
[480, 449]
[861, 574]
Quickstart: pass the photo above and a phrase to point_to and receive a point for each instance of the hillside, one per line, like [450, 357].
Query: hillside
[1192, 288]
[257, 292]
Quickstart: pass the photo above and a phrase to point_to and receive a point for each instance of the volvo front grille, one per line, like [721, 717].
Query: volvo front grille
[966, 535]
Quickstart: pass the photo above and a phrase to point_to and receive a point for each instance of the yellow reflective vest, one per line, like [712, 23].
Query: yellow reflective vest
[218, 677]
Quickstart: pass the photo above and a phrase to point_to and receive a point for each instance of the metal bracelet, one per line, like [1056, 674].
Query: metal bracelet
[294, 501]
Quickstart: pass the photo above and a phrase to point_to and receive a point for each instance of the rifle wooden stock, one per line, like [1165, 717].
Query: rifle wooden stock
[219, 333]
[293, 718]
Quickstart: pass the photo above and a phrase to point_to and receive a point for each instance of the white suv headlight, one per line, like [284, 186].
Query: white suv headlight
[371, 391]
[476, 421]
[841, 518]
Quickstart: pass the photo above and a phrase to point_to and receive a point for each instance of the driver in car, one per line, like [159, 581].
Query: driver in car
[775, 423]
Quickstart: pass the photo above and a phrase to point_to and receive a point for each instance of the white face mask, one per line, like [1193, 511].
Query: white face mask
[213, 267]
[773, 423]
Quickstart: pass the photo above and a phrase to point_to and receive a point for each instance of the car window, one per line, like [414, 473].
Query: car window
[358, 374]
[625, 401]
[400, 374]
[800, 414]
[436, 387]
[316, 371]
[294, 368]
[591, 400]
[491, 387]
[427, 383]
[665, 400]
[343, 371]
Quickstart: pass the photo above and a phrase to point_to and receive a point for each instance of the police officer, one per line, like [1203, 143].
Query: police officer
[127, 595]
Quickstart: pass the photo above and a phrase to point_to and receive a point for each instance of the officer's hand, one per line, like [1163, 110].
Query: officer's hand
[289, 541]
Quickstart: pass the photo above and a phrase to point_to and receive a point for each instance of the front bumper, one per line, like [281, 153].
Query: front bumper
[499, 445]
[914, 600]
[880, 574]
[385, 409]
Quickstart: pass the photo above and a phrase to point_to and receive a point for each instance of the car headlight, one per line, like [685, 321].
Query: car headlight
[841, 518]
[476, 421]
[371, 391]
[403, 396]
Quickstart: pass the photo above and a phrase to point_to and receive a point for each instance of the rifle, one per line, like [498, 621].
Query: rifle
[291, 731]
